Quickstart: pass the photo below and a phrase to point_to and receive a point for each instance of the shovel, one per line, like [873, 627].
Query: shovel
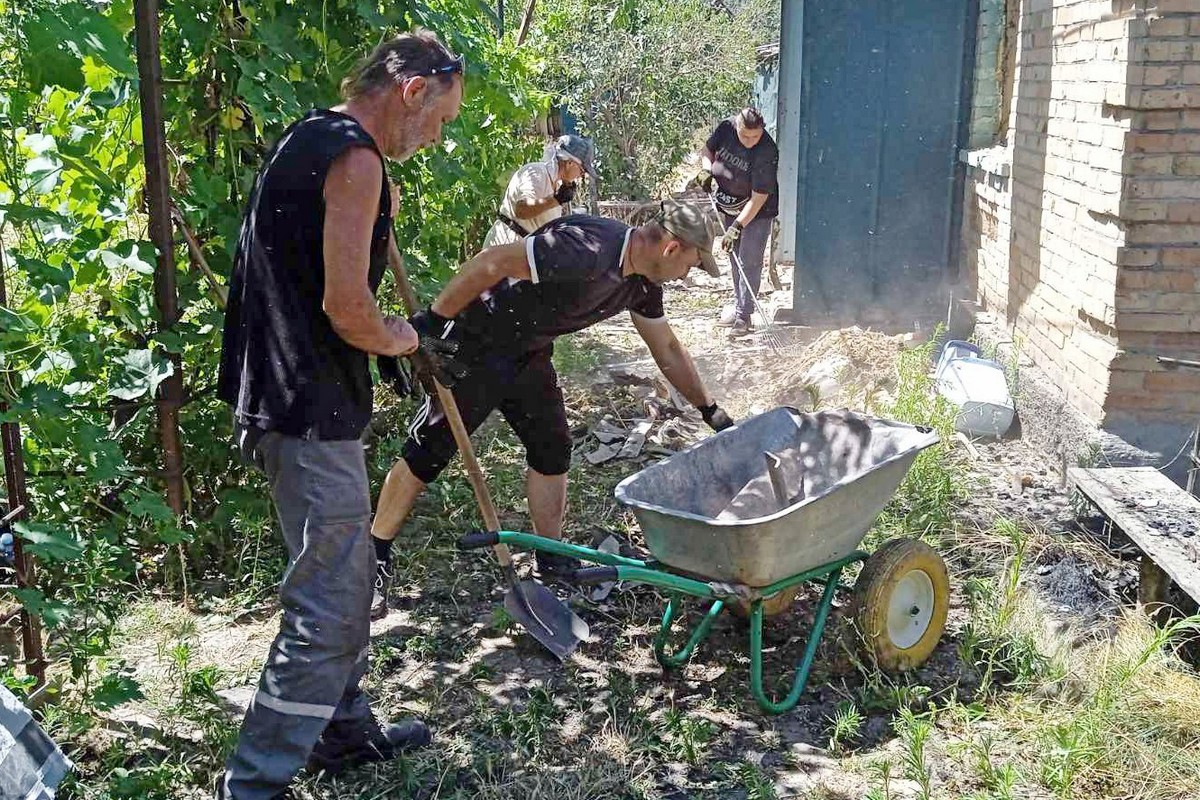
[528, 602]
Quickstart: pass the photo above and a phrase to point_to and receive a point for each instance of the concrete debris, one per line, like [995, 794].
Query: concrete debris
[636, 440]
[606, 452]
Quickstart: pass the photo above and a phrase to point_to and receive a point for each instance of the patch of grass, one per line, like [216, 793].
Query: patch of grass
[527, 726]
[936, 485]
[750, 778]
[996, 638]
[999, 780]
[686, 736]
[575, 355]
[881, 773]
[1116, 718]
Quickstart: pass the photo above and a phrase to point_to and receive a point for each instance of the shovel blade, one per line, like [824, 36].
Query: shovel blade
[545, 617]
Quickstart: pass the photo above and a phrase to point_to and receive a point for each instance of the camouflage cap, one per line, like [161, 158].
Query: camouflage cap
[692, 226]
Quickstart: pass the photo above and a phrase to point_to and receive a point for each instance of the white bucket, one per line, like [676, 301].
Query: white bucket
[978, 387]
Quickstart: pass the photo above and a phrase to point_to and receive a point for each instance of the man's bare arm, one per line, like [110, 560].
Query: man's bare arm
[673, 359]
[351, 207]
[480, 274]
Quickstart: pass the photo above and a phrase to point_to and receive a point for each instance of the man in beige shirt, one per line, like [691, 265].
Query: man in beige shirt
[537, 192]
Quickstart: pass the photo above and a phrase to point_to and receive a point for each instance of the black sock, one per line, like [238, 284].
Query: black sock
[383, 549]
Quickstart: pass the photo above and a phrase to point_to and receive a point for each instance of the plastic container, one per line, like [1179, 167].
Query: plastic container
[978, 387]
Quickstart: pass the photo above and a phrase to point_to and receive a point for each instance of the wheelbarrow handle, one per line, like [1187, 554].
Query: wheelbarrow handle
[477, 539]
[595, 575]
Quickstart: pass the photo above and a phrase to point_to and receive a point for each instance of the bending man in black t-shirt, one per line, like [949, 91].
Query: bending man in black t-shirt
[505, 308]
[301, 323]
[740, 163]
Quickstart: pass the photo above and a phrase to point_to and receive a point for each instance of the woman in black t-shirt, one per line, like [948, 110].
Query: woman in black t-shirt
[740, 164]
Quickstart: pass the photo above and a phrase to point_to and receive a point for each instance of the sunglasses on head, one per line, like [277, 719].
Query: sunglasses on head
[456, 66]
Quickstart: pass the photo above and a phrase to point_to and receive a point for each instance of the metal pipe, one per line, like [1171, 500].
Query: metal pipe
[1178, 362]
[158, 206]
[18, 508]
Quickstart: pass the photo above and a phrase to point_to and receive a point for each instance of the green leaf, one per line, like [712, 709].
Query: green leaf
[19, 213]
[146, 504]
[46, 542]
[138, 373]
[59, 38]
[116, 688]
[135, 261]
[51, 611]
[15, 322]
[172, 534]
[41, 273]
[47, 62]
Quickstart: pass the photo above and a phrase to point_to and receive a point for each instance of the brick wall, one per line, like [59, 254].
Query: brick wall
[985, 90]
[1081, 229]
[1157, 297]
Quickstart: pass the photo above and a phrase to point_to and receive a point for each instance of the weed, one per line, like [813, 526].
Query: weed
[999, 780]
[847, 721]
[528, 726]
[914, 733]
[750, 778]
[686, 736]
[880, 772]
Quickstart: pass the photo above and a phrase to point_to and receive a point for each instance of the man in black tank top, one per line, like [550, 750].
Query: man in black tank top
[301, 323]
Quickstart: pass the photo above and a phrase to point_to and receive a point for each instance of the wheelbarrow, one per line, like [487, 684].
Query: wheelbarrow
[746, 517]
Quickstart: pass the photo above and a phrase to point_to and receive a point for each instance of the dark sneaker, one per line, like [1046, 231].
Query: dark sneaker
[551, 565]
[741, 327]
[345, 745]
[383, 585]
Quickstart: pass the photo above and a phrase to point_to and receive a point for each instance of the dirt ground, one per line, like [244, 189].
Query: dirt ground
[512, 722]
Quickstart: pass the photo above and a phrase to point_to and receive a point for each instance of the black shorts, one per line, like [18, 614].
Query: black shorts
[525, 390]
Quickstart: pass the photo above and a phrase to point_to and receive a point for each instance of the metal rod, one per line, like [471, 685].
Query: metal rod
[1178, 362]
[1195, 465]
[531, 541]
[158, 206]
[775, 473]
[18, 503]
[800, 677]
[12, 515]
[679, 658]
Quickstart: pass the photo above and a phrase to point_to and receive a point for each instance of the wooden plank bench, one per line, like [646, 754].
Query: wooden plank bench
[1159, 517]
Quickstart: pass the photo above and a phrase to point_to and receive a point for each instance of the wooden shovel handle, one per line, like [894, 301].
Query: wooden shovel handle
[482, 496]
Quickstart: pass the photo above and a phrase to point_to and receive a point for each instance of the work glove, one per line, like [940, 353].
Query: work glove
[432, 329]
[715, 417]
[704, 179]
[732, 234]
[395, 373]
[565, 193]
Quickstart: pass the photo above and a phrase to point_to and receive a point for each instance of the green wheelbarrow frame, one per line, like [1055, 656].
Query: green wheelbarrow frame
[621, 568]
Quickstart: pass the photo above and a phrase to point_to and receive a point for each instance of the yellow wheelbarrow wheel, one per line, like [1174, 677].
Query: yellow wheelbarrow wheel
[902, 597]
[775, 604]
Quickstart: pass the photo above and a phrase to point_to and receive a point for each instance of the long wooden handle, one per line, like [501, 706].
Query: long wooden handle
[482, 496]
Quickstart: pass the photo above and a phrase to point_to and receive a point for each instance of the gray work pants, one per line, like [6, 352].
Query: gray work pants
[749, 249]
[319, 656]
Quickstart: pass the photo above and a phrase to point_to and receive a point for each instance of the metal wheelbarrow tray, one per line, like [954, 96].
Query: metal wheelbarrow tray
[725, 527]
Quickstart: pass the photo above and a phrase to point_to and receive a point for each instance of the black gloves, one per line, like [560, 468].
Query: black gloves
[395, 372]
[715, 417]
[565, 193]
[438, 351]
